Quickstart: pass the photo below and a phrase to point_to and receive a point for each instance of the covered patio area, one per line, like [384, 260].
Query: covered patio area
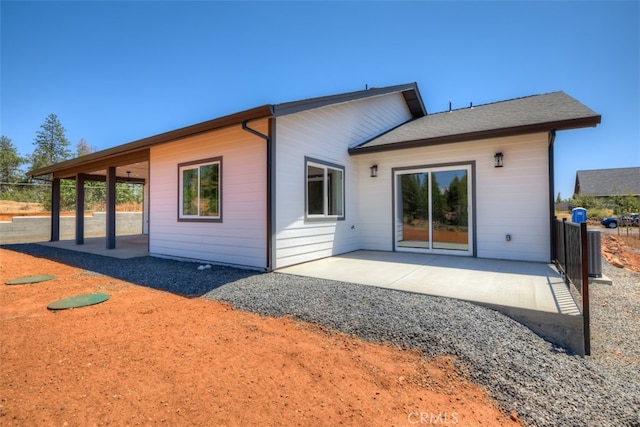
[129, 246]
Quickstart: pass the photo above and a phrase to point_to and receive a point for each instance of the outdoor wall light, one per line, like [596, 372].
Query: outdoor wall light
[498, 158]
[374, 171]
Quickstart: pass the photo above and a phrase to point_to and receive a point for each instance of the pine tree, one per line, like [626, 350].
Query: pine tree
[52, 146]
[10, 162]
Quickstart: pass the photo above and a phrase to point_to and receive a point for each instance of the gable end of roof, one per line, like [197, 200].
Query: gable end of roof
[409, 91]
[608, 182]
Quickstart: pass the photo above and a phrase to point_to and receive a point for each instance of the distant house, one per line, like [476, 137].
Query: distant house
[282, 184]
[608, 182]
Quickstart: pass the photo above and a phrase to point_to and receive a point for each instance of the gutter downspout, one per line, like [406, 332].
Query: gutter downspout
[552, 200]
[270, 138]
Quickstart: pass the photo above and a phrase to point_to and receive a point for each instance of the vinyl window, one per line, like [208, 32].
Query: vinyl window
[200, 190]
[324, 190]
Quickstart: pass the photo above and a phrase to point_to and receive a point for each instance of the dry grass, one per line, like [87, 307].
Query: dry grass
[10, 209]
[10, 206]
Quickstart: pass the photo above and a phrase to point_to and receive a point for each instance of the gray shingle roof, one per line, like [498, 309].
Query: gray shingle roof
[608, 182]
[551, 111]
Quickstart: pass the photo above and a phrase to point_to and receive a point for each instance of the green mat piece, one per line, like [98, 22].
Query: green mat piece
[29, 279]
[78, 301]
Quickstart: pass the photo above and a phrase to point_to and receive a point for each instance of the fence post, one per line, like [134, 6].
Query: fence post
[554, 237]
[585, 287]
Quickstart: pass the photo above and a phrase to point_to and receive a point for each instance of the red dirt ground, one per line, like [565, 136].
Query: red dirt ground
[10, 209]
[147, 357]
[622, 251]
[422, 234]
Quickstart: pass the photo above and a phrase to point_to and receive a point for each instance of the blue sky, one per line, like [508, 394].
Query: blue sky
[115, 72]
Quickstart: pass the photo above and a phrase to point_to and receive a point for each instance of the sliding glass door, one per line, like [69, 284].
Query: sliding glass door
[432, 210]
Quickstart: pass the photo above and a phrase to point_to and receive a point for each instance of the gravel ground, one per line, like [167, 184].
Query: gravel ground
[524, 373]
[615, 323]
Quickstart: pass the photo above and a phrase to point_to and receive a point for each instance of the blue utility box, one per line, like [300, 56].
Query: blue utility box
[578, 215]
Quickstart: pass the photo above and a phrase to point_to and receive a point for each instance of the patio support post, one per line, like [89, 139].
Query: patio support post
[111, 208]
[55, 210]
[80, 209]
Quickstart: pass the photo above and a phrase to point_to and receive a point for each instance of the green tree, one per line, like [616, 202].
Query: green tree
[439, 201]
[410, 196]
[586, 201]
[457, 200]
[10, 162]
[626, 204]
[52, 146]
[415, 197]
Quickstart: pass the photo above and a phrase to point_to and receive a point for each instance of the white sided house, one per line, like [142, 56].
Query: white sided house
[288, 183]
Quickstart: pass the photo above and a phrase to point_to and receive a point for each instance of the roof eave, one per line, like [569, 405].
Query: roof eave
[263, 111]
[582, 122]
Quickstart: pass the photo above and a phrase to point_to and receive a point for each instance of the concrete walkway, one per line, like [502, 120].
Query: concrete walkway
[522, 285]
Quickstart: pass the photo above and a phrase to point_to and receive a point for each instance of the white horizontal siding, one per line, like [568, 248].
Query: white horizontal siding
[241, 236]
[324, 134]
[512, 200]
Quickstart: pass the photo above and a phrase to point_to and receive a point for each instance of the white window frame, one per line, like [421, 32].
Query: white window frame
[326, 194]
[197, 165]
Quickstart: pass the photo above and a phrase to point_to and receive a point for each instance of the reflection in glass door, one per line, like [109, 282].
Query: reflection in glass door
[413, 230]
[432, 210]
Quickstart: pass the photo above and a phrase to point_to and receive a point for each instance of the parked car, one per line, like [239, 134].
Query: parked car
[610, 222]
[628, 220]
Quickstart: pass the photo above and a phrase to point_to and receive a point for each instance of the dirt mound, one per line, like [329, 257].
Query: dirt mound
[622, 251]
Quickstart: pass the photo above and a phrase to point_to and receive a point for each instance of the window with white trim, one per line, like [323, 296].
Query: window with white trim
[200, 192]
[325, 190]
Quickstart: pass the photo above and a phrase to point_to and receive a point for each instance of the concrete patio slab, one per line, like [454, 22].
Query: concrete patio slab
[523, 285]
[129, 246]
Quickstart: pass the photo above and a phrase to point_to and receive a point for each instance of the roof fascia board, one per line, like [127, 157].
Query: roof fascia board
[413, 101]
[127, 158]
[264, 111]
[485, 134]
